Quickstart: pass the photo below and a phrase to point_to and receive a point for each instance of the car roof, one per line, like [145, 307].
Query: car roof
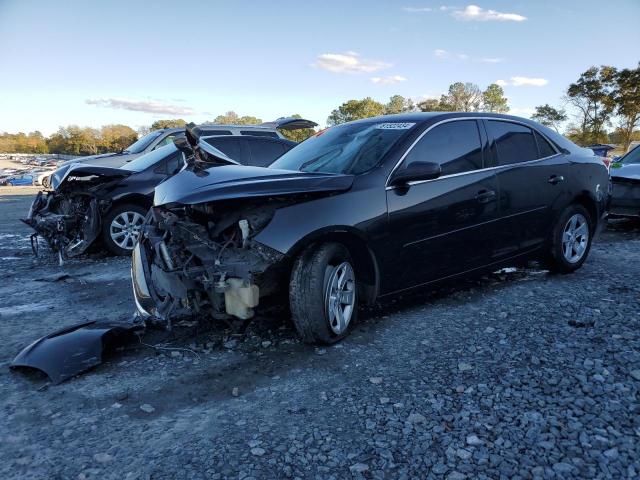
[424, 116]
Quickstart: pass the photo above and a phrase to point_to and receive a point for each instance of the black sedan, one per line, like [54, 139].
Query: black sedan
[625, 175]
[366, 209]
[91, 202]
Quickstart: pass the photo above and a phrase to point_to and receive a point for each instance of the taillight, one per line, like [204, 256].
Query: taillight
[607, 162]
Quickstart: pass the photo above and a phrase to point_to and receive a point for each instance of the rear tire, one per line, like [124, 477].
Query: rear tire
[323, 294]
[120, 228]
[570, 240]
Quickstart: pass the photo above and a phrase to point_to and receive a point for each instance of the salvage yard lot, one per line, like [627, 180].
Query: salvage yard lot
[517, 374]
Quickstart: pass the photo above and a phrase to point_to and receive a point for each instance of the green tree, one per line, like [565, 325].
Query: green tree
[493, 99]
[398, 104]
[355, 110]
[114, 138]
[169, 123]
[626, 97]
[549, 116]
[298, 135]
[232, 118]
[430, 105]
[74, 140]
[591, 96]
[462, 97]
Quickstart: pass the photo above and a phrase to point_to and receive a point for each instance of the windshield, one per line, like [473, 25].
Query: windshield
[150, 159]
[143, 143]
[632, 157]
[352, 148]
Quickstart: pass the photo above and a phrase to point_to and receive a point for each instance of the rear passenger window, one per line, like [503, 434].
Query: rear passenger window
[544, 147]
[258, 133]
[264, 152]
[514, 143]
[454, 145]
[205, 132]
[230, 146]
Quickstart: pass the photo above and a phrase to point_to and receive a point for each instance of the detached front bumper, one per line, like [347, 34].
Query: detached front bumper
[179, 272]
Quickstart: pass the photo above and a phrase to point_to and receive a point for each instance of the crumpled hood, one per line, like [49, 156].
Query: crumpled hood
[629, 171]
[80, 170]
[191, 187]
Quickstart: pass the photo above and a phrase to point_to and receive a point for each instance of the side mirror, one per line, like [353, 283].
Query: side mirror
[416, 171]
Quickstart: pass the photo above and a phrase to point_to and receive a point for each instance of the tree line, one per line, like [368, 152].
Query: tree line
[601, 106]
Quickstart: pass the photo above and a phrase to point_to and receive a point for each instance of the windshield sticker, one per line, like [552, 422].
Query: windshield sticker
[394, 126]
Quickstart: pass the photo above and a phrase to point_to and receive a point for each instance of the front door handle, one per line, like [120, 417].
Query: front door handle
[555, 179]
[485, 196]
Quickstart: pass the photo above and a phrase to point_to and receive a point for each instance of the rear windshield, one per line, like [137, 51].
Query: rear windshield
[352, 148]
[143, 143]
[632, 157]
[150, 159]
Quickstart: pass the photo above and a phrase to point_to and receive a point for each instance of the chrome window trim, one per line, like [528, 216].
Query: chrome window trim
[447, 120]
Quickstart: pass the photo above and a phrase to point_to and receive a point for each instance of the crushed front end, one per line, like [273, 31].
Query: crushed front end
[69, 214]
[68, 223]
[202, 260]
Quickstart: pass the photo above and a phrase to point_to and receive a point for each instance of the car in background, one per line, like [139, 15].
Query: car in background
[94, 202]
[625, 179]
[364, 210]
[159, 138]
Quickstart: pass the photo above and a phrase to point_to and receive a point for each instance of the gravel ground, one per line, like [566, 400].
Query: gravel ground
[516, 375]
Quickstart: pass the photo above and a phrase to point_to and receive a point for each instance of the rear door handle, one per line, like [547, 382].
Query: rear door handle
[485, 196]
[555, 179]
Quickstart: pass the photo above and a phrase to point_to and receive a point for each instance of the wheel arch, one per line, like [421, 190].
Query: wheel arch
[585, 199]
[133, 198]
[365, 262]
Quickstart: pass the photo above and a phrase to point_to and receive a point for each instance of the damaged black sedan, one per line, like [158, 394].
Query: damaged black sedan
[363, 210]
[94, 202]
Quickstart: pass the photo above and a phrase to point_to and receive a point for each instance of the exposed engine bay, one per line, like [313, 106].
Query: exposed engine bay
[68, 217]
[202, 260]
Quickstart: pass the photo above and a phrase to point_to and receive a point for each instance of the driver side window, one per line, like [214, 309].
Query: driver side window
[455, 146]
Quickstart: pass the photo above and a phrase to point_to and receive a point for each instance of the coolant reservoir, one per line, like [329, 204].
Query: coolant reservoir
[240, 298]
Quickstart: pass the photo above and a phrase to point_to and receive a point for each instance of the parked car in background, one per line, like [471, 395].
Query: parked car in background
[367, 209]
[159, 138]
[625, 177]
[94, 202]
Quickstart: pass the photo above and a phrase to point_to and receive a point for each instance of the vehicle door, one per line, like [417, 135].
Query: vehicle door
[443, 226]
[531, 179]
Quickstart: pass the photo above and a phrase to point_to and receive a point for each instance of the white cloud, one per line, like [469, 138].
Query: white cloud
[348, 62]
[439, 53]
[523, 82]
[476, 13]
[527, 81]
[462, 56]
[147, 106]
[390, 80]
[417, 9]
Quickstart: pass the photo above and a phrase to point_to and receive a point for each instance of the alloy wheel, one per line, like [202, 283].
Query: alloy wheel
[340, 297]
[125, 229]
[575, 238]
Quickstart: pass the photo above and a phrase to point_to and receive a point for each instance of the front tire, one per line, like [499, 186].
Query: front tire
[323, 293]
[121, 228]
[570, 240]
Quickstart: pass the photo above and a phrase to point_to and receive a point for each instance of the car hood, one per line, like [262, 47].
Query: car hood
[191, 187]
[629, 171]
[89, 158]
[81, 170]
